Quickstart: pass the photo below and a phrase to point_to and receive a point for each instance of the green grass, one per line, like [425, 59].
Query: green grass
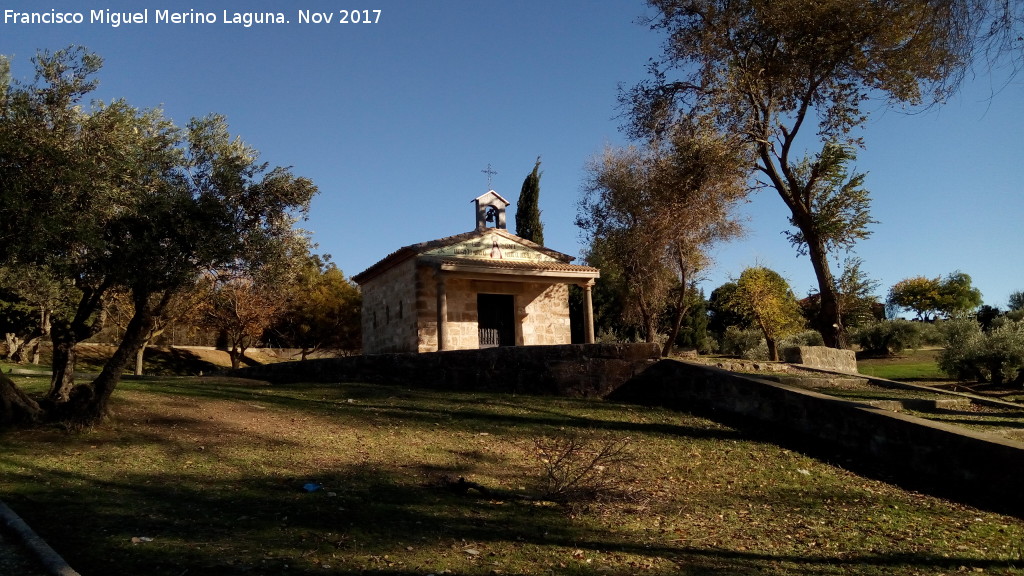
[205, 476]
[912, 365]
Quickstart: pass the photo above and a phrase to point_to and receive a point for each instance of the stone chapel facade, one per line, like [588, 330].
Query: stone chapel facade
[478, 289]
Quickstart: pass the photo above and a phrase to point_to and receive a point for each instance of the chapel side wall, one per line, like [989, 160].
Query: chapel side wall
[389, 311]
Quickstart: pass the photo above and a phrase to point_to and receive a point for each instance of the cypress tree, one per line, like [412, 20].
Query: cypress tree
[528, 224]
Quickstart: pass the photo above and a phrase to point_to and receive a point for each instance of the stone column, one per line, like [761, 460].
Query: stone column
[588, 312]
[442, 312]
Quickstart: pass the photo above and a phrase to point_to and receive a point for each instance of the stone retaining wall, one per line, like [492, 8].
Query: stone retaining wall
[582, 370]
[957, 462]
[822, 358]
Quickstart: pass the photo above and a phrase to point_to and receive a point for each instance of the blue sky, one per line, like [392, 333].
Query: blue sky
[395, 122]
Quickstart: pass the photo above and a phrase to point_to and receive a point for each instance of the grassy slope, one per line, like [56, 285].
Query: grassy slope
[914, 365]
[212, 471]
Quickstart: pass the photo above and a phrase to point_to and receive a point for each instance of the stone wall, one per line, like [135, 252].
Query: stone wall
[389, 310]
[822, 358]
[957, 462]
[545, 314]
[541, 311]
[581, 370]
[969, 466]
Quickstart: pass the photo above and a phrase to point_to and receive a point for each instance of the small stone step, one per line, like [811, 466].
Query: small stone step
[933, 404]
[890, 405]
[835, 382]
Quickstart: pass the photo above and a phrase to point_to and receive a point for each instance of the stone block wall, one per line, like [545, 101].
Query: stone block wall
[545, 318]
[579, 370]
[970, 466]
[389, 311]
[541, 311]
[822, 358]
[426, 310]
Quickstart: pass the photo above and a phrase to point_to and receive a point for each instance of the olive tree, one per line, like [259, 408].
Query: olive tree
[132, 202]
[653, 213]
[792, 75]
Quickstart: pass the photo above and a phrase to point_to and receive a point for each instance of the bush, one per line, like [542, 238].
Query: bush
[888, 337]
[744, 343]
[932, 333]
[805, 338]
[585, 468]
[995, 357]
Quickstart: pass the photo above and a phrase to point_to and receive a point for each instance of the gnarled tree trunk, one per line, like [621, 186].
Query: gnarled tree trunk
[95, 408]
[16, 408]
[88, 321]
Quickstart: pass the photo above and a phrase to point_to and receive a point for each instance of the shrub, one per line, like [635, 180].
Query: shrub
[1016, 301]
[932, 333]
[744, 343]
[584, 468]
[888, 337]
[971, 354]
[805, 338]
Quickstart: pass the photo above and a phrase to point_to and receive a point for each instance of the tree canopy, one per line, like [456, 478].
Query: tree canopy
[930, 298]
[766, 300]
[1016, 300]
[653, 213]
[780, 75]
[321, 310]
[131, 202]
[528, 224]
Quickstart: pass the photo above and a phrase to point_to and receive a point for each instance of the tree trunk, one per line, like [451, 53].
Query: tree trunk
[16, 408]
[829, 321]
[45, 325]
[773, 348]
[139, 358]
[63, 379]
[995, 369]
[88, 321]
[236, 357]
[681, 310]
[677, 323]
[36, 347]
[136, 334]
[15, 349]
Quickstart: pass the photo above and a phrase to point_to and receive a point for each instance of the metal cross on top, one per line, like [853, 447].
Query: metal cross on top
[490, 174]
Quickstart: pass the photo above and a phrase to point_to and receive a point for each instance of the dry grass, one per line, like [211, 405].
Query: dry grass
[207, 476]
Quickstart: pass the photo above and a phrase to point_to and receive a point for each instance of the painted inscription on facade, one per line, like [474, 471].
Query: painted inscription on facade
[493, 247]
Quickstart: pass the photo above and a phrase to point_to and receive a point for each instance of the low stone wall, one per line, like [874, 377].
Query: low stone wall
[581, 370]
[822, 358]
[969, 466]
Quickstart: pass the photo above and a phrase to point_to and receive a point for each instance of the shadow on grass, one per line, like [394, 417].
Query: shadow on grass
[253, 524]
[382, 521]
[372, 403]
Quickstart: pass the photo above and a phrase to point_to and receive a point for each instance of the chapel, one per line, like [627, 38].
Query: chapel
[479, 289]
